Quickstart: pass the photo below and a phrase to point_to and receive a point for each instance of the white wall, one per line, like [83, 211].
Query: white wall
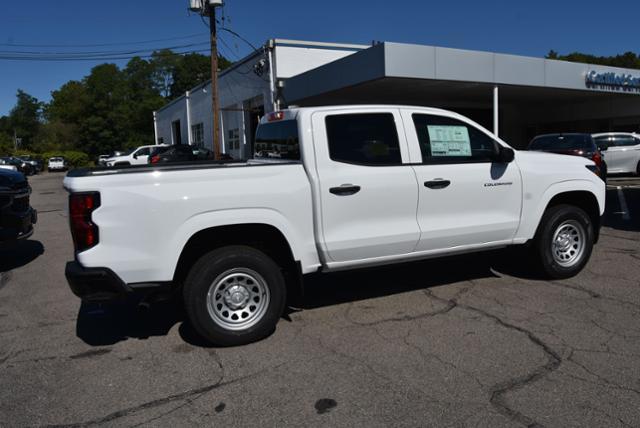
[241, 86]
[167, 116]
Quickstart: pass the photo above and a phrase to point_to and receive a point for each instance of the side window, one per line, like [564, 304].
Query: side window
[143, 152]
[625, 141]
[369, 139]
[447, 140]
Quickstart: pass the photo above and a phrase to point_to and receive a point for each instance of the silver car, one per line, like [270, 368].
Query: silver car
[622, 154]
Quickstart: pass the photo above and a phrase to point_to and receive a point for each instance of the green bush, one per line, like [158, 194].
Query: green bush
[74, 159]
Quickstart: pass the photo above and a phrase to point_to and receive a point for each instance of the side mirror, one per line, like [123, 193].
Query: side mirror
[135, 156]
[502, 154]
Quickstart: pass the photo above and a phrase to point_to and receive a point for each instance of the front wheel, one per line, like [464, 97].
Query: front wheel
[564, 241]
[234, 295]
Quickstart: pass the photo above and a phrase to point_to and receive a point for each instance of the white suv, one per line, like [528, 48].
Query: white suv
[622, 153]
[137, 156]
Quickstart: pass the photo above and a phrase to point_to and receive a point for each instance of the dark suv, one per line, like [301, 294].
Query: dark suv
[16, 215]
[572, 144]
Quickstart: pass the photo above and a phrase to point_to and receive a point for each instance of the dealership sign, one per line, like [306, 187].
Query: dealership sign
[613, 81]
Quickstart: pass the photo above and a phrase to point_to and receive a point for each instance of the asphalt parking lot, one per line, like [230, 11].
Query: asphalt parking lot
[465, 341]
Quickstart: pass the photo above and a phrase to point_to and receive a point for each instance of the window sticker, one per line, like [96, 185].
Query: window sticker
[449, 140]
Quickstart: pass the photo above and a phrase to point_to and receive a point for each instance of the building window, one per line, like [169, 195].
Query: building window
[234, 139]
[160, 141]
[197, 134]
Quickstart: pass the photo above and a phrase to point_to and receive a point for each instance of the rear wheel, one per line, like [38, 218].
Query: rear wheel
[564, 241]
[234, 295]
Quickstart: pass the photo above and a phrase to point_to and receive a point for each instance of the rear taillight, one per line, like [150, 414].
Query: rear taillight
[155, 159]
[83, 230]
[597, 158]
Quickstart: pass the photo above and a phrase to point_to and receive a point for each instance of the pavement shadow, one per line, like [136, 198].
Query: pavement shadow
[107, 324]
[101, 324]
[19, 253]
[614, 217]
[362, 284]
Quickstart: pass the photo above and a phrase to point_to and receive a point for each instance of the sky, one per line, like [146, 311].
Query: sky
[516, 27]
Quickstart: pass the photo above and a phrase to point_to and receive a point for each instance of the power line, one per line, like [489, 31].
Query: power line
[95, 53]
[103, 58]
[100, 44]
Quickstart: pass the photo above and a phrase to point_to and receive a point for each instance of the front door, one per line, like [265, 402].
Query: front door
[368, 197]
[465, 199]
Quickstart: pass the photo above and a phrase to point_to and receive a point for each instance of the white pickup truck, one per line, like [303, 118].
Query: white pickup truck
[354, 186]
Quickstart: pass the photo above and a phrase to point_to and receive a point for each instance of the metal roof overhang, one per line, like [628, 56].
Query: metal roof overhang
[425, 75]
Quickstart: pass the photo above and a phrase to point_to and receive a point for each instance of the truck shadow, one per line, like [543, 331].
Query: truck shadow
[107, 324]
[349, 286]
[20, 253]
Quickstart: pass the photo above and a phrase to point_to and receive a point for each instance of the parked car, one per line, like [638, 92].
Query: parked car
[137, 156]
[623, 151]
[179, 153]
[16, 215]
[7, 166]
[20, 165]
[36, 164]
[360, 186]
[573, 144]
[102, 160]
[57, 163]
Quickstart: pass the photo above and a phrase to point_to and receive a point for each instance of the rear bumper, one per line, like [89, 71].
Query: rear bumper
[15, 226]
[104, 285]
[95, 284]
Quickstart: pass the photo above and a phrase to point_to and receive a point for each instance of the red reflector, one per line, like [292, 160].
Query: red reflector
[155, 159]
[277, 115]
[83, 230]
[597, 159]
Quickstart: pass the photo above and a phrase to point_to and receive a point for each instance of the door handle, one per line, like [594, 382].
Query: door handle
[345, 190]
[437, 184]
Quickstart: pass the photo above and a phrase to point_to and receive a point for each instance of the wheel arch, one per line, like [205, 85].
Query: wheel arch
[581, 193]
[262, 236]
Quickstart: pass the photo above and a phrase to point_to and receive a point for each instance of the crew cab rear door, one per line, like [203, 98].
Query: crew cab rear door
[465, 198]
[367, 191]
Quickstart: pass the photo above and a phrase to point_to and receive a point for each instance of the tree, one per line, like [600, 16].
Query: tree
[164, 63]
[25, 117]
[626, 60]
[191, 70]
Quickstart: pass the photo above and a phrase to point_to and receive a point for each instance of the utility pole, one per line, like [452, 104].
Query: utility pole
[208, 8]
[215, 101]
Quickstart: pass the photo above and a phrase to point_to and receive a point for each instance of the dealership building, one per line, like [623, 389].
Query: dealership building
[516, 97]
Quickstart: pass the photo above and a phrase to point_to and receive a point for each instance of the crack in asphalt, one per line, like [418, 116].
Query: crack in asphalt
[498, 391]
[187, 395]
[444, 310]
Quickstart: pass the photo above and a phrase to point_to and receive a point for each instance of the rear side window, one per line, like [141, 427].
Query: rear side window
[278, 140]
[363, 139]
[625, 141]
[447, 140]
[561, 142]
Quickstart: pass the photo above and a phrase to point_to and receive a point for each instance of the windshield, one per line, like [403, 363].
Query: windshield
[56, 160]
[560, 142]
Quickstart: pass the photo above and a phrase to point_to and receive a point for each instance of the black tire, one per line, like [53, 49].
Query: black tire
[216, 265]
[552, 220]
